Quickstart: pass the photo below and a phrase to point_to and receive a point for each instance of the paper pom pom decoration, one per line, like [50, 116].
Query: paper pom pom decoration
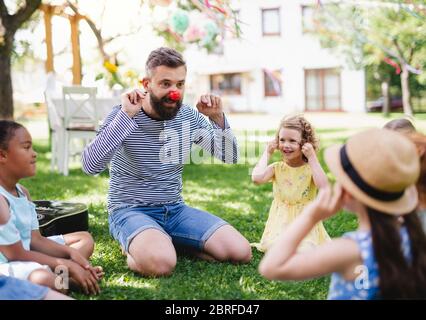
[180, 22]
[193, 34]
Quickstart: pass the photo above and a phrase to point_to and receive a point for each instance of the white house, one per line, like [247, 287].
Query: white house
[277, 67]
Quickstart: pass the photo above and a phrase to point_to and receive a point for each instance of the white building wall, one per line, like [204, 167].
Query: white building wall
[292, 52]
[353, 91]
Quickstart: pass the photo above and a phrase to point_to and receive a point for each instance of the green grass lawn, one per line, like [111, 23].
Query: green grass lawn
[224, 190]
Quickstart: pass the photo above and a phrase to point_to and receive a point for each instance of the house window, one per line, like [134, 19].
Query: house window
[308, 24]
[271, 25]
[272, 82]
[322, 90]
[227, 83]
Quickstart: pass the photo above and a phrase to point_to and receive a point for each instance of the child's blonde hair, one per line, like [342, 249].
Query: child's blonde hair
[299, 123]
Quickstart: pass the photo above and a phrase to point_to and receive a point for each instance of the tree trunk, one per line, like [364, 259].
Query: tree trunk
[11, 23]
[386, 98]
[6, 91]
[75, 43]
[47, 17]
[406, 91]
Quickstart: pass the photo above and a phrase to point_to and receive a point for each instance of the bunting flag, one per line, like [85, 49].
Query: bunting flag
[392, 63]
[210, 6]
[275, 77]
[413, 70]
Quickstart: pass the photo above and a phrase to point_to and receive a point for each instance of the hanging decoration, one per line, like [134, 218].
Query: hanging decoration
[199, 22]
[392, 63]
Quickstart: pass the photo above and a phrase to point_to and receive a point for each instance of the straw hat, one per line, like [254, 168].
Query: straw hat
[379, 168]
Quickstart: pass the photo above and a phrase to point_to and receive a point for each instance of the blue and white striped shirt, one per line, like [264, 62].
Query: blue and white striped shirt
[147, 155]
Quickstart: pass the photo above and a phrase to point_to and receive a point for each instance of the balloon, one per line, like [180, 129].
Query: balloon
[180, 22]
[211, 29]
[193, 34]
[211, 32]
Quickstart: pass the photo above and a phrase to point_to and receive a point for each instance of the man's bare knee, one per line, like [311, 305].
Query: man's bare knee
[227, 244]
[241, 254]
[155, 265]
[152, 253]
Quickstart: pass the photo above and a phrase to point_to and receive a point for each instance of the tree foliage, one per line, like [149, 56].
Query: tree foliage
[373, 34]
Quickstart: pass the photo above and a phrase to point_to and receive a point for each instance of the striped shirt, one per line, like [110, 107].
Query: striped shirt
[147, 156]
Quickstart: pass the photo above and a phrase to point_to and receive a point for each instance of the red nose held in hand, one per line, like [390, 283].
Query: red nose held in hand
[174, 95]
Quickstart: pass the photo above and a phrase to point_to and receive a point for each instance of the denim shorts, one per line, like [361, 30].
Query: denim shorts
[15, 289]
[185, 226]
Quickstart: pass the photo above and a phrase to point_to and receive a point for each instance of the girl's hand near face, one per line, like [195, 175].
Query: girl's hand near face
[272, 146]
[308, 151]
[263, 172]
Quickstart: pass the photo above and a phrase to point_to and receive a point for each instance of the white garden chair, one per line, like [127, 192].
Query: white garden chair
[81, 119]
[56, 133]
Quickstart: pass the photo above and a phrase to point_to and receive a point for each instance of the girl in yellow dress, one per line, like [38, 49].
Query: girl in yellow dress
[296, 179]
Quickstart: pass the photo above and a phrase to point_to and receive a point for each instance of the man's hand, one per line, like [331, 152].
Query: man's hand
[211, 106]
[131, 102]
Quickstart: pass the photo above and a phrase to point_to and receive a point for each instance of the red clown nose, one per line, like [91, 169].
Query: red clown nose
[174, 95]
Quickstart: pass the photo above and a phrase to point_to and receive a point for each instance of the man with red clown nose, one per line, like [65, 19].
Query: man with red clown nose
[146, 140]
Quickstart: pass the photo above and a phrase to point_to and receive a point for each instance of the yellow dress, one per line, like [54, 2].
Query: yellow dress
[293, 188]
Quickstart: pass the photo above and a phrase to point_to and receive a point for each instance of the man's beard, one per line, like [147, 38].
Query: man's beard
[164, 113]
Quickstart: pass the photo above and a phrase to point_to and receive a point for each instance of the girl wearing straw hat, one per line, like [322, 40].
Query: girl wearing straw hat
[376, 172]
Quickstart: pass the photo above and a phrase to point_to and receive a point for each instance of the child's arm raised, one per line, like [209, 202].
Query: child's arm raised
[318, 174]
[263, 173]
[282, 262]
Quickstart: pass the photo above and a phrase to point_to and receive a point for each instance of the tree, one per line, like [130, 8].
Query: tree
[9, 24]
[391, 32]
[216, 16]
[189, 22]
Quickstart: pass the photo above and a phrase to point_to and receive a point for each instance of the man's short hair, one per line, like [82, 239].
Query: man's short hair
[163, 57]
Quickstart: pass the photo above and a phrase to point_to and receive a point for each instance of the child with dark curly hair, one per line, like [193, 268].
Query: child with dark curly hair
[24, 253]
[296, 179]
